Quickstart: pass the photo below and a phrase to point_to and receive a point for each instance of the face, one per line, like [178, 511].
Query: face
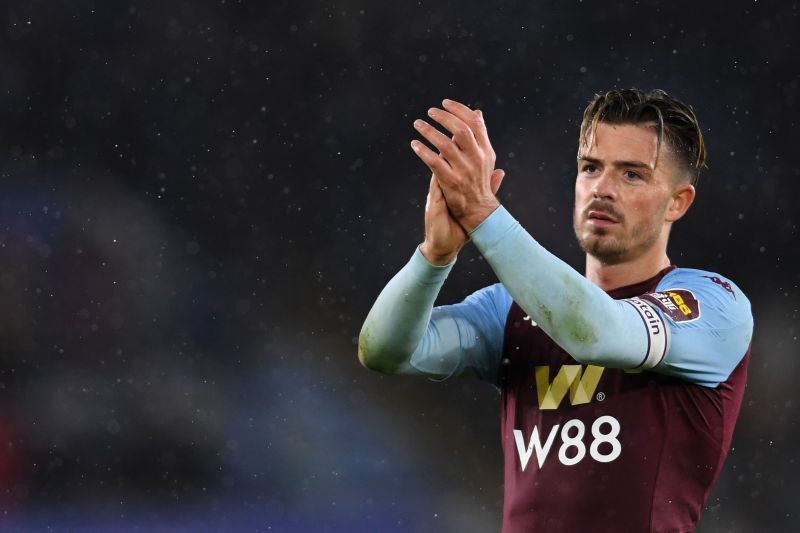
[622, 198]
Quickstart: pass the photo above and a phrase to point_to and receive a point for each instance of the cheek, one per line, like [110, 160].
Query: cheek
[581, 189]
[651, 211]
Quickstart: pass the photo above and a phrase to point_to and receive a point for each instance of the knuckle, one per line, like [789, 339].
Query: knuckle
[448, 148]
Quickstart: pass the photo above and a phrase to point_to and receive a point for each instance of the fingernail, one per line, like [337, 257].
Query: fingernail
[414, 146]
[432, 111]
[418, 123]
[447, 102]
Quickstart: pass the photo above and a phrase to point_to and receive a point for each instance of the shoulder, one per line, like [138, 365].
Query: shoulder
[703, 280]
[689, 295]
[494, 296]
[709, 325]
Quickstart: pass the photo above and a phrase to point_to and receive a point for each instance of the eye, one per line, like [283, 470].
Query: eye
[589, 168]
[631, 175]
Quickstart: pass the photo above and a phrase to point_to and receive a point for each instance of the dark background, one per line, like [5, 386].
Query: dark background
[201, 200]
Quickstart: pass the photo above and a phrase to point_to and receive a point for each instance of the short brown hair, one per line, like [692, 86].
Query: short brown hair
[672, 119]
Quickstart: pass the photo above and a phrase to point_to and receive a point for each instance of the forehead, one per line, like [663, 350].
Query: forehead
[621, 142]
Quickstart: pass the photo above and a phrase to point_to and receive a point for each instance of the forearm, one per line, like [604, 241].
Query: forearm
[399, 317]
[579, 316]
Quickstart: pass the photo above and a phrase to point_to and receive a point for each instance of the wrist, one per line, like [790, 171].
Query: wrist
[438, 257]
[473, 218]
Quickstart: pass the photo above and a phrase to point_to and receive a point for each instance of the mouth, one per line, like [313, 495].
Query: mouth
[601, 219]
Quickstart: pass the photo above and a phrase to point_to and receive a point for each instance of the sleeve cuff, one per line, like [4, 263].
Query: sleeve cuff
[427, 273]
[493, 228]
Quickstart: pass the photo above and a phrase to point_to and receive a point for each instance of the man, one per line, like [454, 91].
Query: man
[620, 389]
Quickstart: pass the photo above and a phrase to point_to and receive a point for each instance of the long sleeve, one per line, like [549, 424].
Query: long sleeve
[404, 334]
[579, 316]
[696, 326]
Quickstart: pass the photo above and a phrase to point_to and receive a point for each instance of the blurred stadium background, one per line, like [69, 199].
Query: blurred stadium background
[200, 201]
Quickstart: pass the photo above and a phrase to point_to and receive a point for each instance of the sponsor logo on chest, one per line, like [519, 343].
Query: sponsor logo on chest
[579, 382]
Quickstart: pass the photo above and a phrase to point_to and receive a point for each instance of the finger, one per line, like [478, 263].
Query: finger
[435, 162]
[473, 118]
[432, 191]
[470, 117]
[439, 199]
[462, 133]
[496, 179]
[447, 147]
[435, 190]
[481, 134]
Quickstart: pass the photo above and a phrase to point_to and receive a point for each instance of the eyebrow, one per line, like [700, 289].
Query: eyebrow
[629, 164]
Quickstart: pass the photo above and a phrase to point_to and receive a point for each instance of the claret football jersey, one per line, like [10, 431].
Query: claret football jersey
[588, 448]
[633, 441]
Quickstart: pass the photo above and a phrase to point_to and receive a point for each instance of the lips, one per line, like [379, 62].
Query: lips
[601, 216]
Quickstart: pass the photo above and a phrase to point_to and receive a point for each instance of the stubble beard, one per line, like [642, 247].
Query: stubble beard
[613, 249]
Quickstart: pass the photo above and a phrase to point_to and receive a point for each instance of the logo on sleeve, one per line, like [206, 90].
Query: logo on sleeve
[679, 304]
[722, 283]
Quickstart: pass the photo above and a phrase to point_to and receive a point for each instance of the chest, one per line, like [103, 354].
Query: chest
[538, 372]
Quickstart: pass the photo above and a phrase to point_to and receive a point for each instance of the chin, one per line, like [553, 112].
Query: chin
[607, 250]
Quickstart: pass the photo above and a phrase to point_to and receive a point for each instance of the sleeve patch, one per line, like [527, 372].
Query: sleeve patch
[680, 305]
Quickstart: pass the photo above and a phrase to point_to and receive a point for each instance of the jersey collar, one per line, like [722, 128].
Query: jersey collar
[629, 291]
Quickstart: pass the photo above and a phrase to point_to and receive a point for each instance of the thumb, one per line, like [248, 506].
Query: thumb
[496, 179]
[434, 192]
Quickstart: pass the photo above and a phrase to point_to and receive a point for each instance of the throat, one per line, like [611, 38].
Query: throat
[613, 276]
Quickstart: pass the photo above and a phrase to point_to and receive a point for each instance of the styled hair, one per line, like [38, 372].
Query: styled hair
[674, 122]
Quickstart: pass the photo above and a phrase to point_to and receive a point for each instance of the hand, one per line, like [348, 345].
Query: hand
[444, 237]
[465, 163]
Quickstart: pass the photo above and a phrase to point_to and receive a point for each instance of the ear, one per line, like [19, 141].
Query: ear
[682, 198]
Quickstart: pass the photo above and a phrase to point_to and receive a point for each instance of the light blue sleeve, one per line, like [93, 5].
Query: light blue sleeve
[579, 316]
[465, 339]
[710, 333]
[404, 334]
[651, 332]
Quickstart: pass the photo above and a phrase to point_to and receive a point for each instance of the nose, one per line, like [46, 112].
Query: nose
[604, 185]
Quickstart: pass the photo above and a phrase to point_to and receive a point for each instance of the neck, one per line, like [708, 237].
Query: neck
[610, 276]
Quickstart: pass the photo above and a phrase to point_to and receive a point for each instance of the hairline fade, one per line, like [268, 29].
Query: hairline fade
[672, 120]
